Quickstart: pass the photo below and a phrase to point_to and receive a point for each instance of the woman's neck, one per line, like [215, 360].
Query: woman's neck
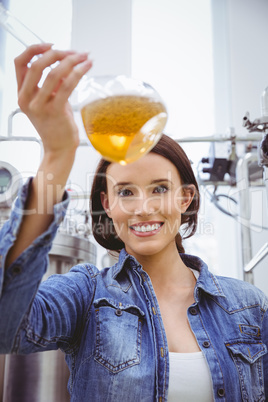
[166, 269]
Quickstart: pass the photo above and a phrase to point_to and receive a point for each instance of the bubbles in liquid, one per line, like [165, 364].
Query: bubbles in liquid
[123, 128]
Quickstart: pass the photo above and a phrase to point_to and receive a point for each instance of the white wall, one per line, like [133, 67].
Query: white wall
[103, 27]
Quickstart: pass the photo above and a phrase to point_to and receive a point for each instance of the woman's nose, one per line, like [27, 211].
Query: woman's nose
[145, 206]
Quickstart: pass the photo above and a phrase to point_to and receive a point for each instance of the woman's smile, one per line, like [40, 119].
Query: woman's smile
[144, 229]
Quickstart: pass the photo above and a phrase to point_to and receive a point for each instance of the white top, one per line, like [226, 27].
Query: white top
[189, 376]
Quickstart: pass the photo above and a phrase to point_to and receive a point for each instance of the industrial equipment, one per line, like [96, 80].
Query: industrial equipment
[248, 169]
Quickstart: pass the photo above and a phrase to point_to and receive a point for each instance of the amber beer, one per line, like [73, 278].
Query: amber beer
[123, 128]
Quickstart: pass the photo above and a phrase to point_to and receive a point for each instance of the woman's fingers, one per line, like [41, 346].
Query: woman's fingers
[21, 62]
[29, 86]
[61, 80]
[70, 82]
[47, 106]
[62, 72]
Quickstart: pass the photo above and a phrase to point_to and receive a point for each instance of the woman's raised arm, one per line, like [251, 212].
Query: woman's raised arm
[50, 112]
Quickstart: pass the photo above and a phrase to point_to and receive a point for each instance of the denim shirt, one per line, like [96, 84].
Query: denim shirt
[109, 325]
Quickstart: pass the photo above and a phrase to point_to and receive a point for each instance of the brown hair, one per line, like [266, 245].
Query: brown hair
[102, 226]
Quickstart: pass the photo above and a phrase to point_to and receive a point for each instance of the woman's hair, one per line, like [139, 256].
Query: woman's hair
[102, 226]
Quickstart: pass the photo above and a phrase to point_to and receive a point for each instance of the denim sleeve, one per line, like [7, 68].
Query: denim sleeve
[19, 283]
[58, 312]
[265, 357]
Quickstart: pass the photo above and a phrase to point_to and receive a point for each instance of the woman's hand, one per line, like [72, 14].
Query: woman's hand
[47, 107]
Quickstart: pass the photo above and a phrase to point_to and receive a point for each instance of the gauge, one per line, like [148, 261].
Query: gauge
[5, 179]
[10, 183]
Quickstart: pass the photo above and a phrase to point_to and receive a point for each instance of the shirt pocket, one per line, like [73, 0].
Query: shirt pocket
[247, 356]
[118, 334]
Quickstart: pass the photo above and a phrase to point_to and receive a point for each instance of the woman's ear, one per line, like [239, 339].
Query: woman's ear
[105, 203]
[188, 195]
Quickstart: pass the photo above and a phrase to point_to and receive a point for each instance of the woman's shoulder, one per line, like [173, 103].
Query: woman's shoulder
[231, 292]
[242, 293]
[232, 283]
[90, 271]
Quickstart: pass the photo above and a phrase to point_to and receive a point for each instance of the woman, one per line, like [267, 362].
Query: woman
[157, 326]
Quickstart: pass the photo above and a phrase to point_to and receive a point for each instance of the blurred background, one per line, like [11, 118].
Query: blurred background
[208, 61]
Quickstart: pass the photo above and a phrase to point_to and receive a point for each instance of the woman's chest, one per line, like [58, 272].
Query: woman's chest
[180, 337]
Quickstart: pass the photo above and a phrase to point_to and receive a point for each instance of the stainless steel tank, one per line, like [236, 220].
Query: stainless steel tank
[43, 377]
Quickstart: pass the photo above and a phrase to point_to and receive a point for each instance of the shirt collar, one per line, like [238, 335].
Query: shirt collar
[206, 281]
[124, 258]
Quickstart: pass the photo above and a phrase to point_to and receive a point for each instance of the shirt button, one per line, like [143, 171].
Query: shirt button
[16, 270]
[221, 392]
[193, 311]
[118, 312]
[206, 344]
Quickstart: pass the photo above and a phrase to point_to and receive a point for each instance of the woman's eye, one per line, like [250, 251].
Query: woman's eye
[161, 189]
[124, 192]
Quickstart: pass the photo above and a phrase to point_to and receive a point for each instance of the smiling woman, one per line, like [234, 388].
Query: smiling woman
[147, 219]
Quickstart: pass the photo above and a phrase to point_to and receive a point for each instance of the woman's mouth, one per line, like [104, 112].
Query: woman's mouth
[146, 229]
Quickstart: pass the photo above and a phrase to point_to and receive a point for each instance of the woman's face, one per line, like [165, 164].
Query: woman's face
[145, 200]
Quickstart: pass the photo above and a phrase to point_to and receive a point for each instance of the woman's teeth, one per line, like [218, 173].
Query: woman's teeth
[146, 228]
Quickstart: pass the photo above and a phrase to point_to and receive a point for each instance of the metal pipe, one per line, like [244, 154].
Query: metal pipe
[221, 138]
[20, 138]
[261, 254]
[10, 121]
[243, 185]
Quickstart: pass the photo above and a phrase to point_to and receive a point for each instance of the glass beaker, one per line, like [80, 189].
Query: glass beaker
[123, 118]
